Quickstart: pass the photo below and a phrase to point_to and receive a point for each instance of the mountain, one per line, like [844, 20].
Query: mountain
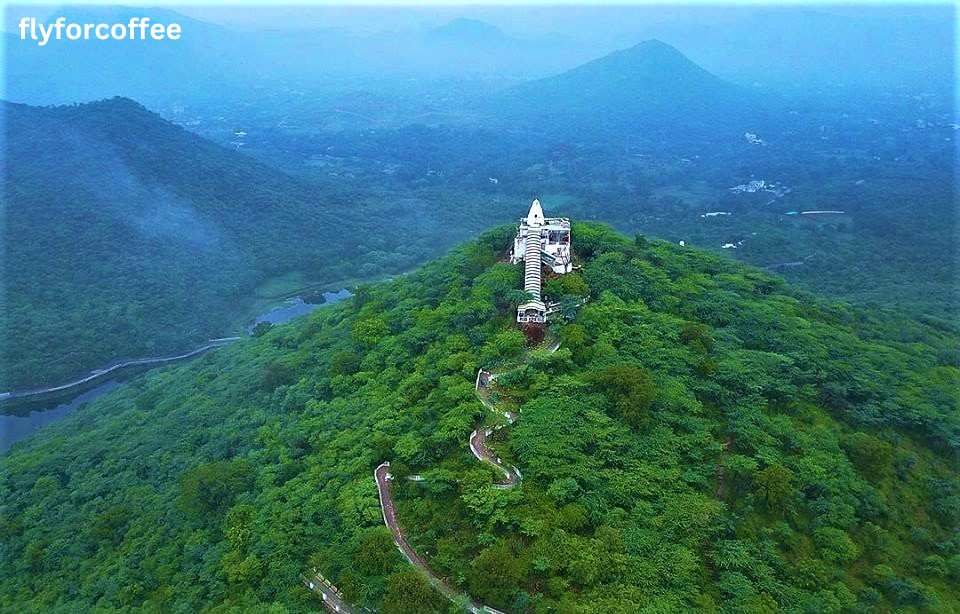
[127, 236]
[884, 47]
[464, 30]
[706, 438]
[648, 86]
[215, 68]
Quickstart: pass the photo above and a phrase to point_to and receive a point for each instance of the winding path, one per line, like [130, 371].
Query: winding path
[383, 477]
[478, 445]
[787, 265]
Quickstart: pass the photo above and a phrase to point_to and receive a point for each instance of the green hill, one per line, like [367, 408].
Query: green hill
[706, 438]
[127, 236]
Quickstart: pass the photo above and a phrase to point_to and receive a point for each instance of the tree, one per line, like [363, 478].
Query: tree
[630, 388]
[697, 336]
[211, 487]
[368, 332]
[775, 486]
[869, 454]
[408, 592]
[571, 283]
[344, 362]
[835, 545]
[261, 328]
[378, 554]
[495, 574]
[569, 304]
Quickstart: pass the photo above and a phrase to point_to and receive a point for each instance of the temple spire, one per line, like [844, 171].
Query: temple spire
[540, 242]
[535, 217]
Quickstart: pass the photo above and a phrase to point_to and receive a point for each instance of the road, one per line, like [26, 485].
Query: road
[213, 343]
[331, 598]
[383, 477]
[478, 445]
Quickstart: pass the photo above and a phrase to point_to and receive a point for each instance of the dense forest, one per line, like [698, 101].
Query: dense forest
[706, 437]
[126, 236]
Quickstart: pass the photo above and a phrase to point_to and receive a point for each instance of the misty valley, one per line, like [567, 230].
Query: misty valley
[517, 309]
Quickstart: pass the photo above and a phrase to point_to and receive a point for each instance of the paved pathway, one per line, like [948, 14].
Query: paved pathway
[331, 597]
[478, 445]
[383, 477]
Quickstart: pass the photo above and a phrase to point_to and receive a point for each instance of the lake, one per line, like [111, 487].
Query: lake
[14, 427]
[297, 307]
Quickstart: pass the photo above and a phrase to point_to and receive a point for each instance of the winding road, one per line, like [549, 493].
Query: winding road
[478, 445]
[213, 343]
[383, 477]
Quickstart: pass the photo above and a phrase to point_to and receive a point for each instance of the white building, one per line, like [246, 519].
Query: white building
[540, 240]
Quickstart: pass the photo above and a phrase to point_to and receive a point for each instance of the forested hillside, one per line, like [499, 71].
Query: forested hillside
[705, 438]
[127, 236]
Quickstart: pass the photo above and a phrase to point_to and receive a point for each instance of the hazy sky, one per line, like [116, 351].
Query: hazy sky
[526, 18]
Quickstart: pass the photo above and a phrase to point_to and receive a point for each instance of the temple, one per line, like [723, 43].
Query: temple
[540, 241]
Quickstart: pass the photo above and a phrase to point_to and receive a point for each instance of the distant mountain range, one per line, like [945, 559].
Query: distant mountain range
[212, 63]
[798, 48]
[787, 49]
[206, 62]
[461, 30]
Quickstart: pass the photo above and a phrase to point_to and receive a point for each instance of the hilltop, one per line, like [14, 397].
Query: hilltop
[706, 437]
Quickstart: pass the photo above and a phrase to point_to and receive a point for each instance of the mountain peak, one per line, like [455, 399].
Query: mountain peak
[655, 45]
[465, 28]
[648, 55]
[650, 83]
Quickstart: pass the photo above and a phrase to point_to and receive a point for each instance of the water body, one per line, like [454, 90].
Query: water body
[16, 426]
[297, 307]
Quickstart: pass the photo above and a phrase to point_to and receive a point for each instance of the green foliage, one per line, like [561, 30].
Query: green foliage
[629, 388]
[495, 575]
[126, 236]
[211, 487]
[569, 284]
[869, 454]
[261, 328]
[408, 592]
[774, 485]
[813, 468]
[835, 545]
[378, 554]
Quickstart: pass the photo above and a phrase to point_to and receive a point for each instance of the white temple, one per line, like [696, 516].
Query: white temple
[540, 240]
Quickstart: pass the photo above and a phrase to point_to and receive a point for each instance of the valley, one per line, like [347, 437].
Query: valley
[277, 337]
